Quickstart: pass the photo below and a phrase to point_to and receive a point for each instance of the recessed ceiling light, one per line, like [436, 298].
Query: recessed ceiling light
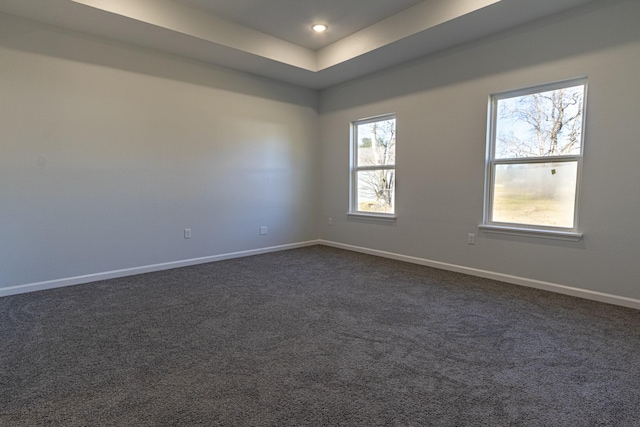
[319, 28]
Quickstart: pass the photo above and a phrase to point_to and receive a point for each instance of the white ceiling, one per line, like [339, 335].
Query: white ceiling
[272, 38]
[291, 20]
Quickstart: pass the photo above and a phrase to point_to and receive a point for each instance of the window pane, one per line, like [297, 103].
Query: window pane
[540, 124]
[535, 194]
[376, 191]
[376, 143]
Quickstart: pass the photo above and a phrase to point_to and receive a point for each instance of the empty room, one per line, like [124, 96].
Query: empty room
[305, 212]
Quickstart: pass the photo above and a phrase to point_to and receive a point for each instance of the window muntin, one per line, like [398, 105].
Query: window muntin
[373, 172]
[535, 157]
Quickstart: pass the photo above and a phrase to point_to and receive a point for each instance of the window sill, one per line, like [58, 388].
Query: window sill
[529, 232]
[372, 217]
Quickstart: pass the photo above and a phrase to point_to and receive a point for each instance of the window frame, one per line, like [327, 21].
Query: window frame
[354, 212]
[524, 229]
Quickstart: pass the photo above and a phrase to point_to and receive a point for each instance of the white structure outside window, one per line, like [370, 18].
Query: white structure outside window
[373, 167]
[534, 160]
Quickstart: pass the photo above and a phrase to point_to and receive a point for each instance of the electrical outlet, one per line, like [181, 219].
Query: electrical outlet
[187, 233]
[263, 230]
[330, 221]
[472, 239]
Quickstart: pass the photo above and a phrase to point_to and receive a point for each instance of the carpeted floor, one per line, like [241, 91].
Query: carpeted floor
[315, 336]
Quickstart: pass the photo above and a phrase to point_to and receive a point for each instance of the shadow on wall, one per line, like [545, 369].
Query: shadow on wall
[24, 35]
[579, 34]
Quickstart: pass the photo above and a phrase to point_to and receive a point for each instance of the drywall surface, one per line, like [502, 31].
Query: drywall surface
[108, 152]
[441, 106]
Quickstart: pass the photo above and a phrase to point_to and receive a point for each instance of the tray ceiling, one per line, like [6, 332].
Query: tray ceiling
[273, 38]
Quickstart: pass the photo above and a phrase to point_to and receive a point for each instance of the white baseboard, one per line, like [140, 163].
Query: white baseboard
[516, 280]
[78, 280]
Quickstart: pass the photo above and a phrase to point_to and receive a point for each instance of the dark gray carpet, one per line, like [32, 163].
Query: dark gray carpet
[315, 336]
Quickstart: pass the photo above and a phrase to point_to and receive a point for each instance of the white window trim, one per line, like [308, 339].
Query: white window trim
[530, 230]
[354, 169]
[373, 216]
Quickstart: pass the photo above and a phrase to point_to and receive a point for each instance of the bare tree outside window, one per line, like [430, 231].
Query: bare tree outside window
[374, 165]
[540, 124]
[535, 156]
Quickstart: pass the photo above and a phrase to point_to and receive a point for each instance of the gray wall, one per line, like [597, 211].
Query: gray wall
[108, 152]
[441, 107]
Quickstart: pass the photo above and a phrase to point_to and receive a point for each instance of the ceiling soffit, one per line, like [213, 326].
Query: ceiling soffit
[174, 27]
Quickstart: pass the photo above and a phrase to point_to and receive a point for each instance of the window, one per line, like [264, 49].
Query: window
[373, 166]
[534, 160]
